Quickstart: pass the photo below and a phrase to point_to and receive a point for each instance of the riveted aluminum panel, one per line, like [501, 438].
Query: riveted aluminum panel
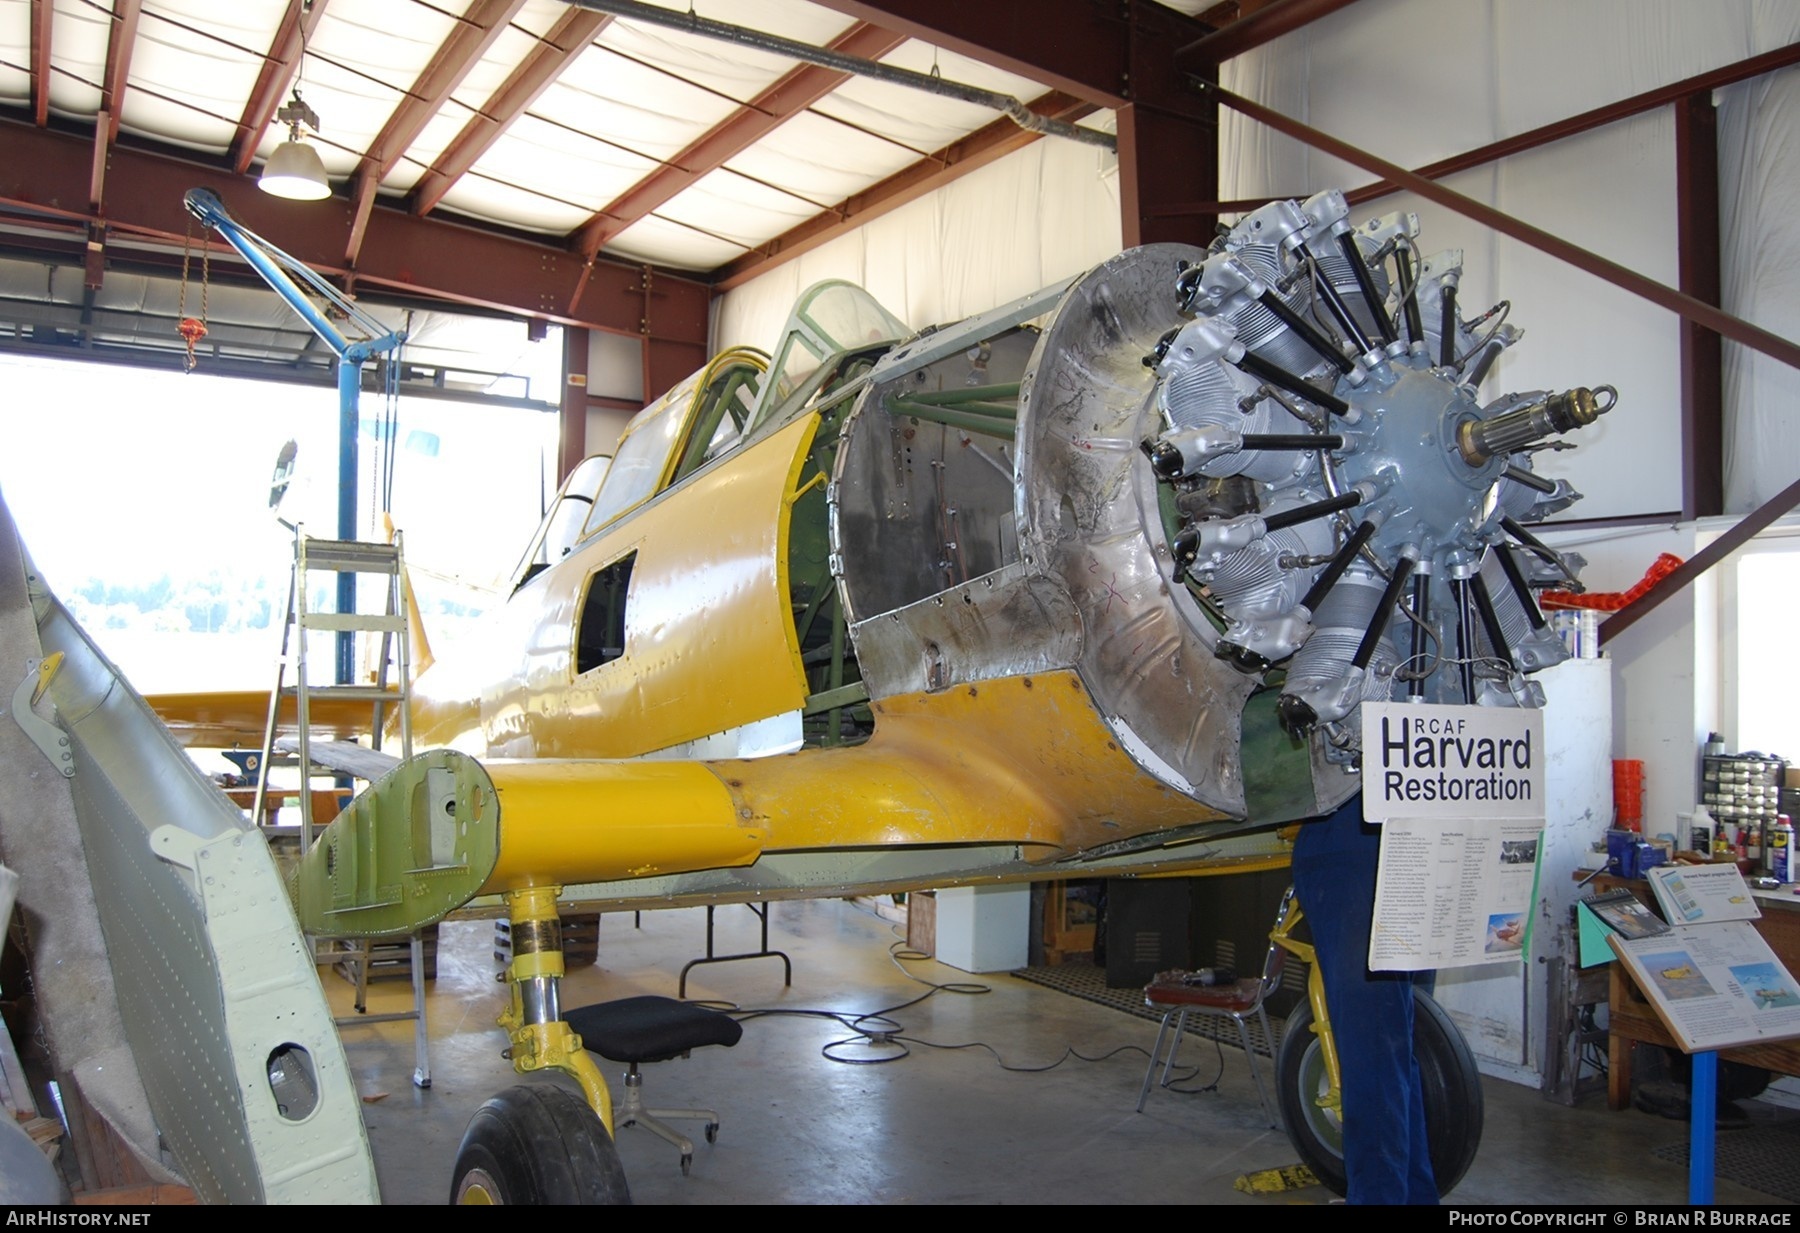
[215, 981]
[1007, 623]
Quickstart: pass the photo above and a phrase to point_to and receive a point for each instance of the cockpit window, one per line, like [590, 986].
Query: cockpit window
[561, 528]
[688, 427]
[723, 408]
[642, 458]
[828, 318]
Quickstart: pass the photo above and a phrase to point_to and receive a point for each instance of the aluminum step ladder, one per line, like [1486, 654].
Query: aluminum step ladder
[388, 692]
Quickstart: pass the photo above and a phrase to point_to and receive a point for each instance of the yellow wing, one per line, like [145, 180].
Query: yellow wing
[226, 719]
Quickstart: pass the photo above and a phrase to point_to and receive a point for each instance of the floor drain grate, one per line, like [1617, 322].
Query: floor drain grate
[1762, 1156]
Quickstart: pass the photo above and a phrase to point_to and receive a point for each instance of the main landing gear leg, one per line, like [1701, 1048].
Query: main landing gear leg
[538, 1143]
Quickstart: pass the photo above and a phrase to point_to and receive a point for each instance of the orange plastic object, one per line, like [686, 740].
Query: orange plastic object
[1628, 793]
[1612, 601]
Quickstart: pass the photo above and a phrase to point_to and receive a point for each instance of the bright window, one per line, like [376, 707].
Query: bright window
[143, 498]
[1768, 665]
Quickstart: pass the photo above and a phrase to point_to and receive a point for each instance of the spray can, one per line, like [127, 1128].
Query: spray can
[1781, 849]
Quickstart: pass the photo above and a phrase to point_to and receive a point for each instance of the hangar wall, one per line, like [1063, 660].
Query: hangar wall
[1761, 252]
[1018, 224]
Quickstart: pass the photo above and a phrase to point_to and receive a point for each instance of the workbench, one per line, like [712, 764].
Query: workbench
[1631, 1018]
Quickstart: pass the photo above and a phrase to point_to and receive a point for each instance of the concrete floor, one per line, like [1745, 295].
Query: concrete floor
[942, 1125]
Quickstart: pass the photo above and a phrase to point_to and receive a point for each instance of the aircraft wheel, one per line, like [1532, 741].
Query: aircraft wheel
[1452, 1084]
[537, 1144]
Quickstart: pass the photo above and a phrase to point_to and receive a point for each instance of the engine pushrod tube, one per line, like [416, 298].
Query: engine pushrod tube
[1511, 527]
[1314, 337]
[1421, 610]
[1516, 580]
[1484, 360]
[1519, 475]
[1281, 378]
[1340, 311]
[1384, 611]
[1316, 509]
[1334, 569]
[1465, 637]
[1365, 283]
[1292, 441]
[1409, 298]
[1447, 327]
[1490, 620]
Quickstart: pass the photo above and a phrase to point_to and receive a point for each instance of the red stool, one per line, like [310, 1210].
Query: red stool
[1172, 994]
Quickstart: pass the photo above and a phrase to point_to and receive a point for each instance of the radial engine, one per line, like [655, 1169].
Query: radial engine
[1343, 502]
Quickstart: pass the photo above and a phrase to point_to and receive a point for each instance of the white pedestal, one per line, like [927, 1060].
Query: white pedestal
[984, 928]
[1501, 1007]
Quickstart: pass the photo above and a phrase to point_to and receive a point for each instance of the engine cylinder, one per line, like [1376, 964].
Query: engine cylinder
[1253, 580]
[1344, 616]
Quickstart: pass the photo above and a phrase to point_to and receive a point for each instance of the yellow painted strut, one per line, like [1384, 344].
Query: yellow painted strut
[541, 1039]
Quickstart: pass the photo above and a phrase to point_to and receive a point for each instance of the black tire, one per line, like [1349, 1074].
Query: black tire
[537, 1144]
[1452, 1084]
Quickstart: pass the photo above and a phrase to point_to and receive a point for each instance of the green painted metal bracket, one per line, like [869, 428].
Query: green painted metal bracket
[415, 846]
[1278, 783]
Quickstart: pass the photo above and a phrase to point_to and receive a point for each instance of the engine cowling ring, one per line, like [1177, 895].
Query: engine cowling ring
[1089, 518]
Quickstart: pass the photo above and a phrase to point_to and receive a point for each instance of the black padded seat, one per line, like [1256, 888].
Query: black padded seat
[650, 1029]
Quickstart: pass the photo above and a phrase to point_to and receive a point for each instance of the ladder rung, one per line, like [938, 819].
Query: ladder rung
[349, 556]
[351, 621]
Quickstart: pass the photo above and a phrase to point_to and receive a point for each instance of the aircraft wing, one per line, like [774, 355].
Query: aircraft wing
[225, 719]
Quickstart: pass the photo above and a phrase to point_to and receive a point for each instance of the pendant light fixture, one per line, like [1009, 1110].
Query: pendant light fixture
[295, 170]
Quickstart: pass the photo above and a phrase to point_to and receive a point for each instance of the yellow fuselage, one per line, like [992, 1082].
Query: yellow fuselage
[710, 646]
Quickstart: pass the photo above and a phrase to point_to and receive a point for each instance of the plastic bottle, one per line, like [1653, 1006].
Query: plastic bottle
[1700, 830]
[1722, 846]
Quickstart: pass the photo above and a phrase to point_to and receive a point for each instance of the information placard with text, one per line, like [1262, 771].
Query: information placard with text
[1459, 791]
[1427, 761]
